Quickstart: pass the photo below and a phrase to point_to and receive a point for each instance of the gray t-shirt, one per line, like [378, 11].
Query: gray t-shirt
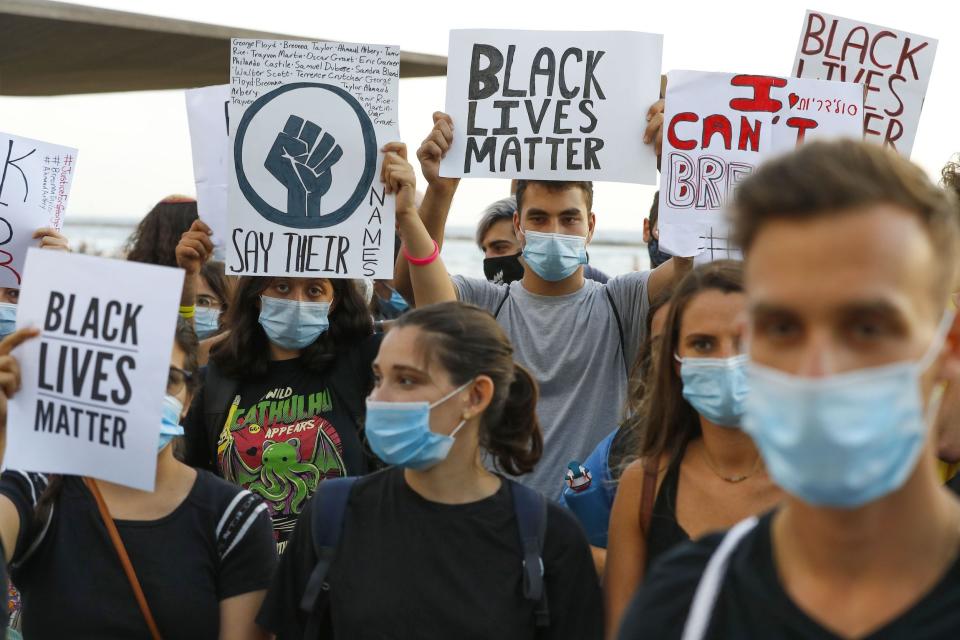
[571, 346]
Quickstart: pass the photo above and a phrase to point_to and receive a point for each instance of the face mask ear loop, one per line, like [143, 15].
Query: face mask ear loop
[457, 429]
[451, 394]
[939, 339]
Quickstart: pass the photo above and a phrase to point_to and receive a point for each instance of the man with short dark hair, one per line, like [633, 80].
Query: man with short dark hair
[851, 254]
[577, 337]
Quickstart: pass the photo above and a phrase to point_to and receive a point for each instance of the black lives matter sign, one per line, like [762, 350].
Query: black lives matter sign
[95, 378]
[551, 105]
[893, 66]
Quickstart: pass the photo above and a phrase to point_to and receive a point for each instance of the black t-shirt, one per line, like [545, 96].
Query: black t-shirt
[409, 568]
[291, 429]
[215, 545]
[753, 604]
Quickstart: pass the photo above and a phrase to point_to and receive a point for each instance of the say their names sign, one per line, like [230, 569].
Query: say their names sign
[551, 105]
[719, 126]
[894, 67]
[307, 122]
[95, 378]
[35, 179]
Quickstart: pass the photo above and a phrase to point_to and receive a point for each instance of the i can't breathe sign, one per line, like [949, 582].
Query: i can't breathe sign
[94, 380]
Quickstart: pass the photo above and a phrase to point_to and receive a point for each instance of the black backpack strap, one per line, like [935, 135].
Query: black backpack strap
[219, 394]
[530, 509]
[503, 300]
[236, 520]
[326, 523]
[623, 344]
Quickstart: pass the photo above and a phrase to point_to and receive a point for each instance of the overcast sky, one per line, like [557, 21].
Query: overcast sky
[135, 147]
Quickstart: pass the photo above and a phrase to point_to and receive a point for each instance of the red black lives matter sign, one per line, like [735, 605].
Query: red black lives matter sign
[893, 66]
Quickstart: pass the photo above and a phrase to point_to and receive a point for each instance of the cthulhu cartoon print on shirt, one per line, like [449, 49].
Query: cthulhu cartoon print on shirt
[281, 448]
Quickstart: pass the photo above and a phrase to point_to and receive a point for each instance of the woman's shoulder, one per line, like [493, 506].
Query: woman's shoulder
[235, 512]
[213, 492]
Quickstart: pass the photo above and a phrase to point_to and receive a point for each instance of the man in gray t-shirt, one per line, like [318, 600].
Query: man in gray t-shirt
[564, 329]
[571, 346]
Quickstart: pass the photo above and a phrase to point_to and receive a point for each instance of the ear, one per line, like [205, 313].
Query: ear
[950, 358]
[481, 393]
[591, 225]
[646, 230]
[518, 228]
[295, 443]
[186, 406]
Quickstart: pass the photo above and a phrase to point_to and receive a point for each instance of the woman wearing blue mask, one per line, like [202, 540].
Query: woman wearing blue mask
[431, 548]
[213, 300]
[199, 578]
[283, 401]
[697, 472]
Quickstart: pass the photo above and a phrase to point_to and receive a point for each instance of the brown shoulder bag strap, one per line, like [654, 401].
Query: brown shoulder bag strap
[648, 495]
[124, 558]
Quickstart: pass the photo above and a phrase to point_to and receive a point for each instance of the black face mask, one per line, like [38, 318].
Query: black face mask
[503, 269]
[657, 257]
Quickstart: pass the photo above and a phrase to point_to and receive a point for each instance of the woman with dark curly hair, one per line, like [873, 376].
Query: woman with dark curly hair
[283, 402]
[155, 239]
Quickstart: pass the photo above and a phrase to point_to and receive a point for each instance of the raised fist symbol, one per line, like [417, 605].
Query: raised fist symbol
[302, 163]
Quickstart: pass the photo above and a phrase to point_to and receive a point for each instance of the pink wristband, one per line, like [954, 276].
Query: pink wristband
[419, 262]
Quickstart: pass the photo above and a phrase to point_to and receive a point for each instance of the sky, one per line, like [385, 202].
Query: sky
[135, 147]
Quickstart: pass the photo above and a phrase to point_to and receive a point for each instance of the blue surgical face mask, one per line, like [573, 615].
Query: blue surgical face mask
[206, 321]
[396, 302]
[554, 256]
[843, 440]
[293, 324]
[170, 421]
[715, 387]
[399, 432]
[8, 318]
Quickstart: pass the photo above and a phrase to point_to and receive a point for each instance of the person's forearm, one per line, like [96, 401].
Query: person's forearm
[188, 297]
[668, 275]
[433, 213]
[430, 282]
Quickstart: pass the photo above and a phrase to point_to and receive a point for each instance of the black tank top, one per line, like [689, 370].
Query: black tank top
[665, 532]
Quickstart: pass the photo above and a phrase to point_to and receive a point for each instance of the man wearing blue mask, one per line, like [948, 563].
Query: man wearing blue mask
[851, 256]
[498, 241]
[577, 337]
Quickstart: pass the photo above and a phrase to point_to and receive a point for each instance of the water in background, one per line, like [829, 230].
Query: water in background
[613, 252]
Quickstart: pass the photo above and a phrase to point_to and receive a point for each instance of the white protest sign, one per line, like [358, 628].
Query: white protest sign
[95, 378]
[35, 180]
[894, 66]
[209, 119]
[308, 120]
[552, 105]
[719, 126]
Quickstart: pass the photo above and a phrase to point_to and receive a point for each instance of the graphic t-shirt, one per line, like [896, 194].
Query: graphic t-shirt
[289, 431]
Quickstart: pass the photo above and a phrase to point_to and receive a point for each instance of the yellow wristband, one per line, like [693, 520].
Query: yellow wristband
[187, 312]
